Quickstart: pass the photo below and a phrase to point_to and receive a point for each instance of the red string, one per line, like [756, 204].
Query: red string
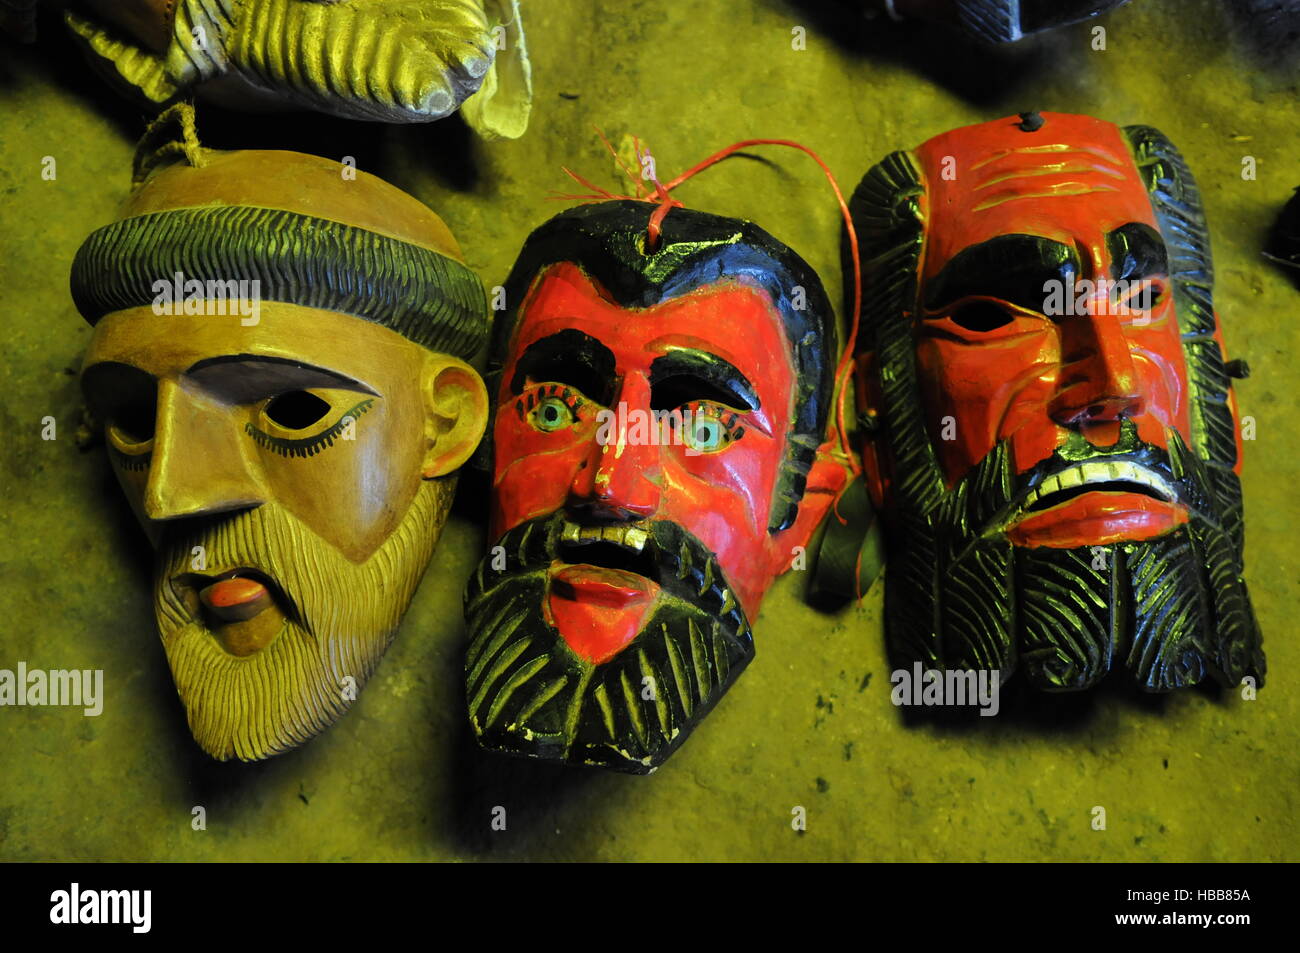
[665, 201]
[846, 358]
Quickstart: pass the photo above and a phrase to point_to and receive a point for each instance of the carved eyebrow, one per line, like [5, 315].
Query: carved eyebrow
[1008, 267]
[688, 374]
[1136, 251]
[568, 357]
[246, 377]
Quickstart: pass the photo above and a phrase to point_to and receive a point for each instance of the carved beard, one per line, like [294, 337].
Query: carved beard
[530, 695]
[1169, 611]
[342, 618]
[383, 60]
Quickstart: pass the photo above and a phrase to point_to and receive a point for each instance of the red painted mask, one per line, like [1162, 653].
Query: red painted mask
[658, 418]
[1052, 413]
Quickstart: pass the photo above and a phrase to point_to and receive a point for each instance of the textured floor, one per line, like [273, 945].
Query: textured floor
[1191, 777]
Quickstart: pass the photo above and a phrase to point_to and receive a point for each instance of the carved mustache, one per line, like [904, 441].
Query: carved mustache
[660, 550]
[991, 494]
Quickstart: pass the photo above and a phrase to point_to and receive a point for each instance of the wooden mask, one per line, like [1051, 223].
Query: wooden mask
[278, 359]
[1054, 436]
[380, 60]
[660, 410]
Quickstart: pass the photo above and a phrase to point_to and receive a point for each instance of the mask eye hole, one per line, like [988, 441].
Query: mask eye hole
[296, 410]
[134, 423]
[981, 316]
[1142, 297]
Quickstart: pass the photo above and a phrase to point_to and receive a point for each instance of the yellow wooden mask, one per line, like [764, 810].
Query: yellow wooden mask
[278, 361]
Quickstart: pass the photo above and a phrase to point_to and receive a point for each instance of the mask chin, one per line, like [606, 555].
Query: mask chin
[531, 694]
[1169, 611]
[257, 687]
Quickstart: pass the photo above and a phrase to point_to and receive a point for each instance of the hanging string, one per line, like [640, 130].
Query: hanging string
[158, 144]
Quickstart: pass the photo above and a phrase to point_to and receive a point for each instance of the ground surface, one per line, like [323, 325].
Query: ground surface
[1192, 777]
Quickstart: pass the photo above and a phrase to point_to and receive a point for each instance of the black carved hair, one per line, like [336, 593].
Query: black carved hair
[1177, 203]
[608, 241]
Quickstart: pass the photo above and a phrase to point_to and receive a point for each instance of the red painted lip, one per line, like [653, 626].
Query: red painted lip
[598, 611]
[601, 586]
[1098, 519]
[235, 599]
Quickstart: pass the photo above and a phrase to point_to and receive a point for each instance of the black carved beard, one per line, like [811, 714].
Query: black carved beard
[530, 695]
[1168, 611]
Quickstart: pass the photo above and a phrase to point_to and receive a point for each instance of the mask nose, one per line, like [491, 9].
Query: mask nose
[1098, 381]
[620, 478]
[198, 466]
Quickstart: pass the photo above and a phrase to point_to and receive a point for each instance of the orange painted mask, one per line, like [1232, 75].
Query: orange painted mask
[278, 362]
[657, 462]
[1052, 430]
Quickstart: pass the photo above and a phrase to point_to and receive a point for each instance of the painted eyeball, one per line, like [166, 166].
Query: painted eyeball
[1141, 297]
[549, 407]
[552, 414]
[710, 428]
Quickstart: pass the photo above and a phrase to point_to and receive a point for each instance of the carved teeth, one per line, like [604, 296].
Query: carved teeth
[629, 537]
[1102, 472]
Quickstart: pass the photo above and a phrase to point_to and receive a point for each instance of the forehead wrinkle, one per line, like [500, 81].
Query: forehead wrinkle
[1080, 167]
[1063, 190]
[568, 448]
[1059, 148]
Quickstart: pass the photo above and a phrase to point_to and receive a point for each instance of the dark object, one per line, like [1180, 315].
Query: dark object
[1271, 29]
[852, 552]
[1002, 21]
[1031, 122]
[1284, 240]
[18, 19]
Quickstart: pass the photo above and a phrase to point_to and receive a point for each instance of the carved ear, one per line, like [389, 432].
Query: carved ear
[456, 407]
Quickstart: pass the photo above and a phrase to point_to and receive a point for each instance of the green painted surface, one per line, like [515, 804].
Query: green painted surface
[1190, 777]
